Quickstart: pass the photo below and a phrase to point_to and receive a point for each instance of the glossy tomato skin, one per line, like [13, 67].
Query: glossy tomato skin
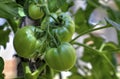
[64, 28]
[35, 12]
[25, 42]
[61, 58]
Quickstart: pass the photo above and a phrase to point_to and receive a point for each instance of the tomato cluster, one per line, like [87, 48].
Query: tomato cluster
[50, 39]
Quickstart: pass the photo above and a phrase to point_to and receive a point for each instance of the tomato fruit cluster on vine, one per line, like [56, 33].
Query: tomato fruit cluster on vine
[49, 40]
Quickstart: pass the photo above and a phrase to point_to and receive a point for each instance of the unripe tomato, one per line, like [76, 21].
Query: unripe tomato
[25, 42]
[35, 12]
[61, 58]
[64, 28]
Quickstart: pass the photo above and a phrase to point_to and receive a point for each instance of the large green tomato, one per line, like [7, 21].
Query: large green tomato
[61, 58]
[35, 12]
[25, 42]
[61, 25]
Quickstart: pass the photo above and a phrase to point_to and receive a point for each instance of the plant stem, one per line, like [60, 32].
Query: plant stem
[49, 73]
[90, 48]
[60, 75]
[88, 31]
[92, 3]
[97, 52]
[107, 59]
[36, 73]
[26, 67]
[46, 10]
[54, 40]
[102, 47]
[45, 7]
[56, 20]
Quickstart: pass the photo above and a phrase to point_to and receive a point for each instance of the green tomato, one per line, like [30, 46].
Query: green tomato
[35, 12]
[61, 25]
[25, 42]
[61, 58]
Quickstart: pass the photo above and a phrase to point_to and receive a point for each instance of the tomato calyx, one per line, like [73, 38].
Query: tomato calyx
[39, 33]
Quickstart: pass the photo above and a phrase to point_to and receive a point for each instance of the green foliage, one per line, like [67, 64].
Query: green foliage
[63, 5]
[102, 59]
[4, 36]
[8, 9]
[1, 64]
[81, 21]
[1, 68]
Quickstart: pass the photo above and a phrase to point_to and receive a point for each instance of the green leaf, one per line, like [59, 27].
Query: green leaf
[4, 37]
[54, 5]
[80, 17]
[2, 76]
[21, 2]
[66, 6]
[13, 24]
[8, 9]
[75, 76]
[5, 1]
[111, 47]
[97, 59]
[81, 22]
[1, 65]
[118, 3]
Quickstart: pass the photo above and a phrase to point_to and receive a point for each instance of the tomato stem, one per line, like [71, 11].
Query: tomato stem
[54, 40]
[60, 75]
[26, 67]
[96, 52]
[102, 47]
[108, 60]
[45, 7]
[49, 72]
[88, 31]
[57, 38]
[56, 20]
[105, 57]
[36, 73]
[90, 48]
[92, 3]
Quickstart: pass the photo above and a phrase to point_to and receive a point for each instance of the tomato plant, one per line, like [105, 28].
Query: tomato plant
[44, 37]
